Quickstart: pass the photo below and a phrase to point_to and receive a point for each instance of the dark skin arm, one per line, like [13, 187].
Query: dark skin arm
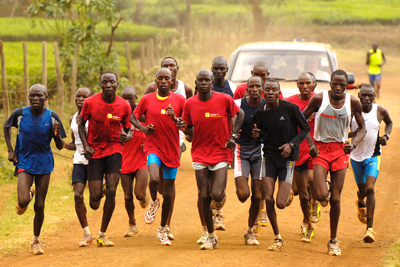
[237, 124]
[312, 107]
[149, 129]
[383, 114]
[356, 111]
[56, 135]
[188, 91]
[126, 135]
[88, 152]
[71, 145]
[151, 88]
[7, 136]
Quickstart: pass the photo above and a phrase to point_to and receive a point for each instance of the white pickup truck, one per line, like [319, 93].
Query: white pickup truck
[285, 60]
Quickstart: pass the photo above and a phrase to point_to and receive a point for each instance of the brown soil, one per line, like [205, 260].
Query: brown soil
[144, 249]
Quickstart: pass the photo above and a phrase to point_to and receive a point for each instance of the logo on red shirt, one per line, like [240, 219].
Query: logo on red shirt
[113, 117]
[212, 115]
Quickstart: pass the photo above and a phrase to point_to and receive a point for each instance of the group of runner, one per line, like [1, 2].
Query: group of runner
[114, 137]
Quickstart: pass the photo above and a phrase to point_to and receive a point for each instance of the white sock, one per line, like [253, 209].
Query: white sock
[35, 240]
[278, 236]
[248, 229]
[86, 230]
[102, 233]
[204, 228]
[161, 228]
[212, 234]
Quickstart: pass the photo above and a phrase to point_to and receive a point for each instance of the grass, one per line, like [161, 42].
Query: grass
[22, 29]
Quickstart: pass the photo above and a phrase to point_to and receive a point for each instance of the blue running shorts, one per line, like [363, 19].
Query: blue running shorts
[168, 172]
[366, 168]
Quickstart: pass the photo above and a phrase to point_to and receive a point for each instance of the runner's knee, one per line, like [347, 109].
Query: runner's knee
[369, 191]
[242, 195]
[38, 207]
[140, 196]
[78, 197]
[281, 204]
[269, 201]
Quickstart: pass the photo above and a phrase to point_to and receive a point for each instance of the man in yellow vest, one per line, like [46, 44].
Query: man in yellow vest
[375, 61]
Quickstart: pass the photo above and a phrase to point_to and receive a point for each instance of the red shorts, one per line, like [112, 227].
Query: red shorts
[132, 169]
[331, 156]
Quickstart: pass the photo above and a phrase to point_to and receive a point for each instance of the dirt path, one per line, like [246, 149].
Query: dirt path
[144, 249]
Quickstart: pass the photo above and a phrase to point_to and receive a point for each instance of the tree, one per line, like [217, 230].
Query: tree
[75, 22]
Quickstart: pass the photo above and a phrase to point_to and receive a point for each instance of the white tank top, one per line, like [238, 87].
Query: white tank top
[181, 89]
[78, 158]
[369, 146]
[331, 124]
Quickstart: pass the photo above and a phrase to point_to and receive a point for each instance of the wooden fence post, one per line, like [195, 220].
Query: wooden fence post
[74, 75]
[26, 75]
[6, 102]
[60, 86]
[128, 62]
[157, 48]
[44, 70]
[142, 57]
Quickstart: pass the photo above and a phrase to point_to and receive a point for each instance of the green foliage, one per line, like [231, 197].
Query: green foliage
[75, 22]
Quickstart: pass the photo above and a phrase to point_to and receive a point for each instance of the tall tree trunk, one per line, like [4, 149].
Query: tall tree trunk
[138, 13]
[14, 8]
[187, 19]
[259, 19]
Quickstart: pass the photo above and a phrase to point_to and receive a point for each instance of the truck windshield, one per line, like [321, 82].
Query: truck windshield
[283, 65]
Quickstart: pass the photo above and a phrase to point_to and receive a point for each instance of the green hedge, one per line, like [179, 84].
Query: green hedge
[23, 29]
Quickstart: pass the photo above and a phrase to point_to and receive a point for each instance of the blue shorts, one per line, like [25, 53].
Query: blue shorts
[168, 172]
[366, 168]
[374, 77]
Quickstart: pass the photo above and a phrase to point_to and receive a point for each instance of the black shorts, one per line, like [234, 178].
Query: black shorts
[301, 168]
[279, 167]
[80, 173]
[99, 167]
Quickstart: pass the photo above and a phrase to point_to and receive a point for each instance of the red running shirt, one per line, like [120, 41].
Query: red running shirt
[241, 89]
[133, 157]
[105, 123]
[304, 156]
[212, 128]
[164, 141]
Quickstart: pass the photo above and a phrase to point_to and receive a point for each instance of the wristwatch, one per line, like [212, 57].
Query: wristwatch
[291, 145]
[387, 135]
[235, 136]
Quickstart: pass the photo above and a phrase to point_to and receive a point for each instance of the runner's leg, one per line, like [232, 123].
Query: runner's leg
[127, 186]
[80, 207]
[112, 181]
[41, 185]
[337, 183]
[25, 181]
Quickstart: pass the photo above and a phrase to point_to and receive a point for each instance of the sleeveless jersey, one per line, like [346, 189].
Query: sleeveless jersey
[78, 157]
[331, 124]
[181, 89]
[374, 61]
[370, 145]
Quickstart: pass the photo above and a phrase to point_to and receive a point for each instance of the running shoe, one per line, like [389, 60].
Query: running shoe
[315, 213]
[86, 240]
[369, 236]
[361, 213]
[211, 243]
[144, 203]
[333, 248]
[219, 222]
[151, 212]
[303, 228]
[132, 231]
[162, 236]
[262, 218]
[290, 198]
[202, 238]
[256, 227]
[102, 241]
[37, 249]
[308, 235]
[277, 245]
[250, 239]
[21, 211]
[169, 234]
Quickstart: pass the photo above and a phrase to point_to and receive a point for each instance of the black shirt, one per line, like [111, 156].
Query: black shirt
[247, 126]
[279, 126]
[225, 89]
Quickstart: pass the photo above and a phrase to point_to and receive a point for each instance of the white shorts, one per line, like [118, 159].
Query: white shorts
[199, 166]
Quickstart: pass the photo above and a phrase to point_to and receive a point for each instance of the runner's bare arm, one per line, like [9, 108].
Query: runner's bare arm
[188, 91]
[149, 129]
[7, 136]
[151, 88]
[71, 145]
[313, 105]
[57, 137]
[88, 152]
[383, 114]
[356, 110]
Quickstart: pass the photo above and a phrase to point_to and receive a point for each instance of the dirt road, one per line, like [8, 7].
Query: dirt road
[144, 249]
